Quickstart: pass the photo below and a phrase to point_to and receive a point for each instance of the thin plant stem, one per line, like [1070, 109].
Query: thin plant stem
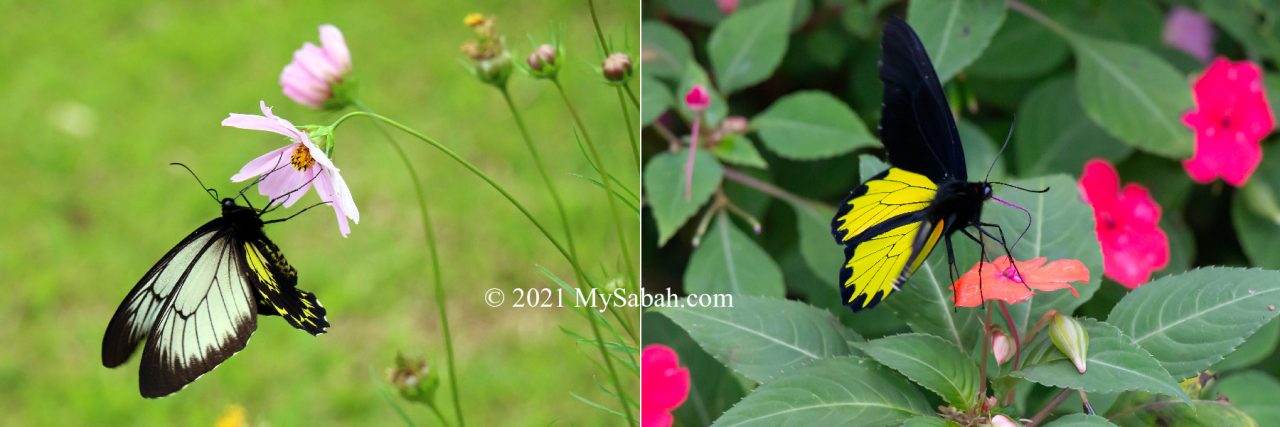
[767, 188]
[436, 411]
[1013, 330]
[1035, 15]
[1048, 408]
[631, 134]
[497, 187]
[433, 249]
[608, 186]
[634, 101]
[395, 406]
[604, 46]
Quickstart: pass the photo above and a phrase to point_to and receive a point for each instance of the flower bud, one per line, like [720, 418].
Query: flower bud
[1001, 347]
[1003, 421]
[735, 124]
[1070, 338]
[414, 380]
[495, 70]
[727, 6]
[617, 68]
[697, 99]
[544, 62]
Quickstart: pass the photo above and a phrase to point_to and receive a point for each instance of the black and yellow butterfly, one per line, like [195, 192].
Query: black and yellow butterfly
[199, 304]
[890, 224]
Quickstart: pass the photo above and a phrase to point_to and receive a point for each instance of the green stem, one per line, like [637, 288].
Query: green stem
[555, 196]
[429, 234]
[434, 410]
[608, 362]
[631, 134]
[622, 236]
[604, 48]
[1035, 15]
[634, 101]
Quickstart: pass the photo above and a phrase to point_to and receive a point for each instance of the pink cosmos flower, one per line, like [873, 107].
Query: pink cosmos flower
[1230, 118]
[291, 170]
[1127, 224]
[310, 78]
[1190, 32]
[664, 385]
[727, 6]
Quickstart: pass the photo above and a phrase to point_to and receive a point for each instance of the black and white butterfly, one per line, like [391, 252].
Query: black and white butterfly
[199, 304]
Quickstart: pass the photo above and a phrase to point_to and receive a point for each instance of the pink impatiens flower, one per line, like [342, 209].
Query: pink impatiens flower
[1127, 224]
[727, 6]
[664, 385]
[289, 171]
[1230, 118]
[1002, 280]
[315, 71]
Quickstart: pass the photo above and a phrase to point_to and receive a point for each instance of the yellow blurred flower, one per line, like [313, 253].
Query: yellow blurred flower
[232, 417]
[473, 19]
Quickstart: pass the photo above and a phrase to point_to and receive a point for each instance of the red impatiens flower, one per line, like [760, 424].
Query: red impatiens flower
[1127, 223]
[1230, 118]
[1000, 281]
[664, 385]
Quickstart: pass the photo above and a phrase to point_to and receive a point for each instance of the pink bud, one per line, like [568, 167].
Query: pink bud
[727, 6]
[1003, 421]
[1001, 347]
[735, 124]
[697, 99]
[1190, 32]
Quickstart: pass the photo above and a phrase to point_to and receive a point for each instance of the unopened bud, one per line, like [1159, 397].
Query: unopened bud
[617, 68]
[735, 125]
[1070, 338]
[1001, 347]
[697, 99]
[544, 61]
[1003, 421]
[415, 381]
[494, 70]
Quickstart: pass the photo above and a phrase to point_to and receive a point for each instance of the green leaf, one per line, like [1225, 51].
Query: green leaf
[1021, 49]
[1255, 211]
[1080, 420]
[664, 183]
[728, 261]
[1134, 95]
[761, 337]
[1254, 393]
[1200, 413]
[1055, 136]
[820, 251]
[1191, 320]
[664, 51]
[1114, 363]
[838, 391]
[929, 421]
[747, 47]
[955, 32]
[925, 303]
[931, 362]
[695, 75]
[1257, 348]
[738, 150]
[811, 125]
[712, 387]
[869, 166]
[655, 99]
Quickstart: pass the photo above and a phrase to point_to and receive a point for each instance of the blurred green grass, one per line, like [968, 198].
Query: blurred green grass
[98, 97]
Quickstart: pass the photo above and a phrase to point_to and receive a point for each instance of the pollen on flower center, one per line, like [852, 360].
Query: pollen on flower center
[301, 159]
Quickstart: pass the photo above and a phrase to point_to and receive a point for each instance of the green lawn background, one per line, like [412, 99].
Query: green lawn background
[96, 98]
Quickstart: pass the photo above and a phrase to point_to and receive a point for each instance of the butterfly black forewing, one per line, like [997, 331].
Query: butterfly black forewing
[916, 126]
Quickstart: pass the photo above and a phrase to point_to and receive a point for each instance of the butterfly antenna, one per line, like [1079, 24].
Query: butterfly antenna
[269, 206]
[296, 214]
[262, 177]
[1042, 190]
[211, 192]
[1012, 123]
[1025, 211]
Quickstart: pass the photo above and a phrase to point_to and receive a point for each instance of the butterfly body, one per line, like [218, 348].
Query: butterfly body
[890, 224]
[199, 304]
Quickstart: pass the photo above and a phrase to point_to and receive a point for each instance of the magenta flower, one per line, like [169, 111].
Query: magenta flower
[1230, 118]
[1127, 223]
[314, 73]
[727, 6]
[289, 171]
[1190, 32]
[697, 99]
[664, 385]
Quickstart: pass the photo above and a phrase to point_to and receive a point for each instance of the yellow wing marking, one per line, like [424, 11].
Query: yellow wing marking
[900, 191]
[877, 264]
[259, 266]
[923, 253]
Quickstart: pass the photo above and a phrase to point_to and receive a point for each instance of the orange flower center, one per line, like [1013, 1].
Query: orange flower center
[301, 159]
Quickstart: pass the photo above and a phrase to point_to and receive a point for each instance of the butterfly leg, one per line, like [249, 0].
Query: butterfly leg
[982, 245]
[952, 270]
[983, 226]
